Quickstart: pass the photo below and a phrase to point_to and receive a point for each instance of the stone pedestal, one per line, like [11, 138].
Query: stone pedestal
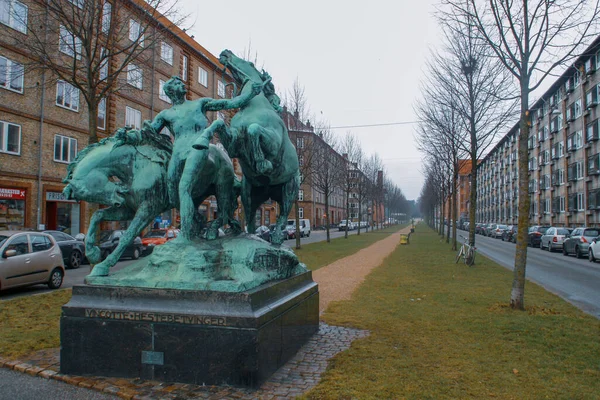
[198, 337]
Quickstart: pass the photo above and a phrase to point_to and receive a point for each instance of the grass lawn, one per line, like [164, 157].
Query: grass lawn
[31, 323]
[441, 330]
[320, 254]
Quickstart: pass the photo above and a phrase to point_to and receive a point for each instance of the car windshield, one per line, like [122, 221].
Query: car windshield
[591, 232]
[105, 235]
[155, 234]
[562, 231]
[3, 238]
[502, 226]
[543, 229]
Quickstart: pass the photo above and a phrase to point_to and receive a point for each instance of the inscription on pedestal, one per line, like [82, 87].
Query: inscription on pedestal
[155, 317]
[153, 357]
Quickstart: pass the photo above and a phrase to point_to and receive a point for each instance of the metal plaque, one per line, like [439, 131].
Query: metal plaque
[153, 357]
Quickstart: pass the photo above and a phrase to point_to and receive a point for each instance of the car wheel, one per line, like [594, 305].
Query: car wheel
[550, 247]
[591, 255]
[136, 254]
[75, 259]
[565, 253]
[56, 279]
[308, 234]
[578, 252]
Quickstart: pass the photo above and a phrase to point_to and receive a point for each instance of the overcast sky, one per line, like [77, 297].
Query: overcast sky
[360, 62]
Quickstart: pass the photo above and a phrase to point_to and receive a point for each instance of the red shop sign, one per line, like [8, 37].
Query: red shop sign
[16, 194]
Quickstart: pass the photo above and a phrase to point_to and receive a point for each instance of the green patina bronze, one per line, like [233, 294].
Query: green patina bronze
[139, 174]
[258, 137]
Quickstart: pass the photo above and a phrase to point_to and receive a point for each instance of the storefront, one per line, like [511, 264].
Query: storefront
[12, 208]
[62, 214]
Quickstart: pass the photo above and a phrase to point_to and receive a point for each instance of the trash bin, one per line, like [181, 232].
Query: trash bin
[404, 239]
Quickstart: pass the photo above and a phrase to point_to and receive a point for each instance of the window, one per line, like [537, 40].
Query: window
[103, 74]
[39, 243]
[133, 118]
[591, 97]
[135, 32]
[301, 195]
[578, 140]
[202, 77]
[546, 206]
[184, 68]
[69, 43]
[300, 212]
[561, 205]
[78, 3]
[14, 14]
[221, 89]
[106, 15]
[65, 149]
[134, 76]
[11, 75]
[220, 116]
[580, 202]
[166, 53]
[301, 160]
[161, 92]
[67, 96]
[102, 114]
[10, 138]
[300, 142]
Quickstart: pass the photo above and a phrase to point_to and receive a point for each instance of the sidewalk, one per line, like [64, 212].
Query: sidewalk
[336, 282]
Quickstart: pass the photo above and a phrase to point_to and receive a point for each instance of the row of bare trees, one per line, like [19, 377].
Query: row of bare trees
[495, 54]
[338, 169]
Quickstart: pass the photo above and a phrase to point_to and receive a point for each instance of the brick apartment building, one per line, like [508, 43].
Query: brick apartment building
[42, 127]
[564, 155]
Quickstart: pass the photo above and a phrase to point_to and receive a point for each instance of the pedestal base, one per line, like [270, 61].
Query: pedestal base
[196, 337]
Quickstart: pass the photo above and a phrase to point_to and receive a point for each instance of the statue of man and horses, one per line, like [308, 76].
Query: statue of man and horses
[139, 174]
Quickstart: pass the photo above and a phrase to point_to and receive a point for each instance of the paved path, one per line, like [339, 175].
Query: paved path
[336, 281]
[339, 279]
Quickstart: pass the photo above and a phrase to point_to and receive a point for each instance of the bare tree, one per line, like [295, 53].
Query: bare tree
[95, 46]
[295, 100]
[350, 148]
[531, 39]
[328, 168]
[442, 130]
[372, 167]
[483, 90]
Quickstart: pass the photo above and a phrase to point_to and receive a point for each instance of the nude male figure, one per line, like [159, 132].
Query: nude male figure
[186, 119]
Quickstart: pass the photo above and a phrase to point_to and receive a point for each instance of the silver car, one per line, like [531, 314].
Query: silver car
[553, 238]
[30, 258]
[579, 241]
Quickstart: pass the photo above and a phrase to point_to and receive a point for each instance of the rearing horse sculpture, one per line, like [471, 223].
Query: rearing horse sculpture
[258, 137]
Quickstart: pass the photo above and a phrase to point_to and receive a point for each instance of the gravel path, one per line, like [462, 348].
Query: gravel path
[338, 280]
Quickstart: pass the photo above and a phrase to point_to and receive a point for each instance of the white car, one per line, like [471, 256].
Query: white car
[553, 238]
[594, 250]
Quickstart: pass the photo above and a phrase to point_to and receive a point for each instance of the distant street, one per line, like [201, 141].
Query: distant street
[575, 280]
[76, 276]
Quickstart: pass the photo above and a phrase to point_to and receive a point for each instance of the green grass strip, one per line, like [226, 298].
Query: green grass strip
[441, 330]
[320, 254]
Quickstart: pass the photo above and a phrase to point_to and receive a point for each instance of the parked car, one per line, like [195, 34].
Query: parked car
[304, 226]
[513, 238]
[534, 235]
[508, 233]
[156, 237]
[594, 250]
[553, 239]
[30, 258]
[263, 232]
[487, 230]
[498, 231]
[109, 240]
[73, 250]
[342, 225]
[579, 241]
[478, 226]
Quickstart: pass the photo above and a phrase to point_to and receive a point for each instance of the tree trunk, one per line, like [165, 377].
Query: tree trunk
[327, 217]
[473, 199]
[454, 205]
[347, 210]
[93, 122]
[518, 287]
[297, 225]
[449, 218]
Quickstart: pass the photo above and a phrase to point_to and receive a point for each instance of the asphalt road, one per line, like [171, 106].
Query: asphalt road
[76, 276]
[575, 280]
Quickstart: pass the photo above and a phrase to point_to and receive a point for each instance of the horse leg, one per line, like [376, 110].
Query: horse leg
[255, 132]
[143, 216]
[249, 205]
[193, 180]
[289, 191]
[92, 252]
